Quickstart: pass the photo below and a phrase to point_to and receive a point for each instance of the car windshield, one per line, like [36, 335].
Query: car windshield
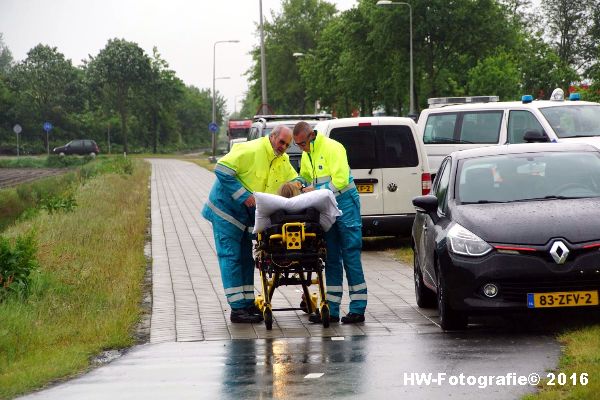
[528, 176]
[574, 120]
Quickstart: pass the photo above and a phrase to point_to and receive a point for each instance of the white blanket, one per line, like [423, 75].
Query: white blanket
[322, 200]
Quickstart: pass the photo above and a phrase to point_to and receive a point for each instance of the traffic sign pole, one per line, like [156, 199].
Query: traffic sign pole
[17, 129]
[47, 128]
[213, 127]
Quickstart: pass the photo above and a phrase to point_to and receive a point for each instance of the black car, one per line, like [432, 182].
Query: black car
[509, 228]
[81, 147]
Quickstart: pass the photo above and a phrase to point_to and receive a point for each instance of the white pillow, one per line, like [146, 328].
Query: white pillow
[322, 200]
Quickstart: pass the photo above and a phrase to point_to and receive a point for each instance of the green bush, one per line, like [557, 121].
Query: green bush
[58, 203]
[23, 201]
[17, 262]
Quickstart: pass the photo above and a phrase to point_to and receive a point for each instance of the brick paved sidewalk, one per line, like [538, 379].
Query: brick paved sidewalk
[188, 300]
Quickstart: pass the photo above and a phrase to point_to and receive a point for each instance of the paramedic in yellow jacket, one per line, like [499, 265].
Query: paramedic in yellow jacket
[259, 165]
[325, 166]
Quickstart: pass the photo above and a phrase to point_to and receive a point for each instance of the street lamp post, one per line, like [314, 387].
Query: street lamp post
[214, 95]
[263, 66]
[383, 3]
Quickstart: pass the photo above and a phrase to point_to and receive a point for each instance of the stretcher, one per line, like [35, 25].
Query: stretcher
[291, 251]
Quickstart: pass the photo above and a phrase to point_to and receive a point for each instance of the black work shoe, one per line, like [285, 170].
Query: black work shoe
[254, 310]
[241, 315]
[316, 318]
[352, 318]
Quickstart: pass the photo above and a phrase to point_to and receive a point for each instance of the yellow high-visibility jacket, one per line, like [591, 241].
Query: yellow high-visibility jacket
[256, 167]
[326, 165]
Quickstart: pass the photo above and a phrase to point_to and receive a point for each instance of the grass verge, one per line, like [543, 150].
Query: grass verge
[85, 297]
[581, 355]
[200, 160]
[52, 161]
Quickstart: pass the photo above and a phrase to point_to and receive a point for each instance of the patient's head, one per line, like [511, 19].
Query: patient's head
[289, 189]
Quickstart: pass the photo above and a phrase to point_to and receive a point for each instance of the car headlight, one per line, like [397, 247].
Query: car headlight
[466, 243]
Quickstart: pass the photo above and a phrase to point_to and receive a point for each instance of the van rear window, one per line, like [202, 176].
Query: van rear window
[389, 146]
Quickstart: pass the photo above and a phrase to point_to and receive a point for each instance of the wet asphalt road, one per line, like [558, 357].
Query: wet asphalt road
[196, 353]
[358, 367]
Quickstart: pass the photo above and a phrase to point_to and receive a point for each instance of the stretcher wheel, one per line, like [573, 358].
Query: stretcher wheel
[268, 316]
[325, 316]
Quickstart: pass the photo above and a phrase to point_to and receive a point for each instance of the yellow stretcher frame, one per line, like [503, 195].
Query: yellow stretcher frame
[293, 240]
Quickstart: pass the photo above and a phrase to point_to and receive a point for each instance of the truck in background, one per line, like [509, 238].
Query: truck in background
[237, 131]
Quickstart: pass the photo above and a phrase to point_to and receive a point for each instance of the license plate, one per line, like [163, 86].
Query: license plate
[365, 188]
[562, 299]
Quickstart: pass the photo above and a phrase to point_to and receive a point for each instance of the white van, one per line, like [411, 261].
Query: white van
[389, 165]
[458, 123]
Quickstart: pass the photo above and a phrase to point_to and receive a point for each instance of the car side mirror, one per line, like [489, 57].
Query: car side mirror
[427, 204]
[534, 136]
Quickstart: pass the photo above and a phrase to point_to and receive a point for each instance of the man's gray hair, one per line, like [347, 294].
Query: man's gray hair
[277, 130]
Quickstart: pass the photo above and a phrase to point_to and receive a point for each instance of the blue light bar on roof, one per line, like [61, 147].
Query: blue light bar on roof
[574, 97]
[527, 98]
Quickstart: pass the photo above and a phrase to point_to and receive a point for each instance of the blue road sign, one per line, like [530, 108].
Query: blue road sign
[47, 126]
[213, 127]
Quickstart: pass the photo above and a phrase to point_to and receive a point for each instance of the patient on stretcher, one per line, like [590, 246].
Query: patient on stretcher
[289, 190]
[323, 201]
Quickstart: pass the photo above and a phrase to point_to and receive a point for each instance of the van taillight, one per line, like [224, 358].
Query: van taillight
[425, 183]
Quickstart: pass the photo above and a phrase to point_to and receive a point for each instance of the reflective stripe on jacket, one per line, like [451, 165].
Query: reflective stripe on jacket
[249, 167]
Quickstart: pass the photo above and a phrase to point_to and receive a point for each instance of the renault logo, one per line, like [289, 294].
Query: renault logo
[559, 252]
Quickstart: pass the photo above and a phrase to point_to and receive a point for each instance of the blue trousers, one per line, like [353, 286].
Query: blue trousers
[344, 244]
[234, 250]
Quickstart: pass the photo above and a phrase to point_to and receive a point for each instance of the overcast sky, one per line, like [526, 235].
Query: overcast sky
[184, 31]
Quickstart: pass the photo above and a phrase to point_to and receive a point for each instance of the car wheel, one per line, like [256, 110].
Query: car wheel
[425, 297]
[450, 319]
[92, 154]
[62, 154]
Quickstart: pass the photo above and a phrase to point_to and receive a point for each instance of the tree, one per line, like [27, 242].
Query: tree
[161, 92]
[342, 71]
[495, 75]
[592, 71]
[48, 88]
[453, 36]
[296, 29]
[541, 68]
[118, 72]
[194, 114]
[6, 59]
[568, 28]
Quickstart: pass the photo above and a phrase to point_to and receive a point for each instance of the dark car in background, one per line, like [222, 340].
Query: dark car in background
[80, 147]
[509, 228]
